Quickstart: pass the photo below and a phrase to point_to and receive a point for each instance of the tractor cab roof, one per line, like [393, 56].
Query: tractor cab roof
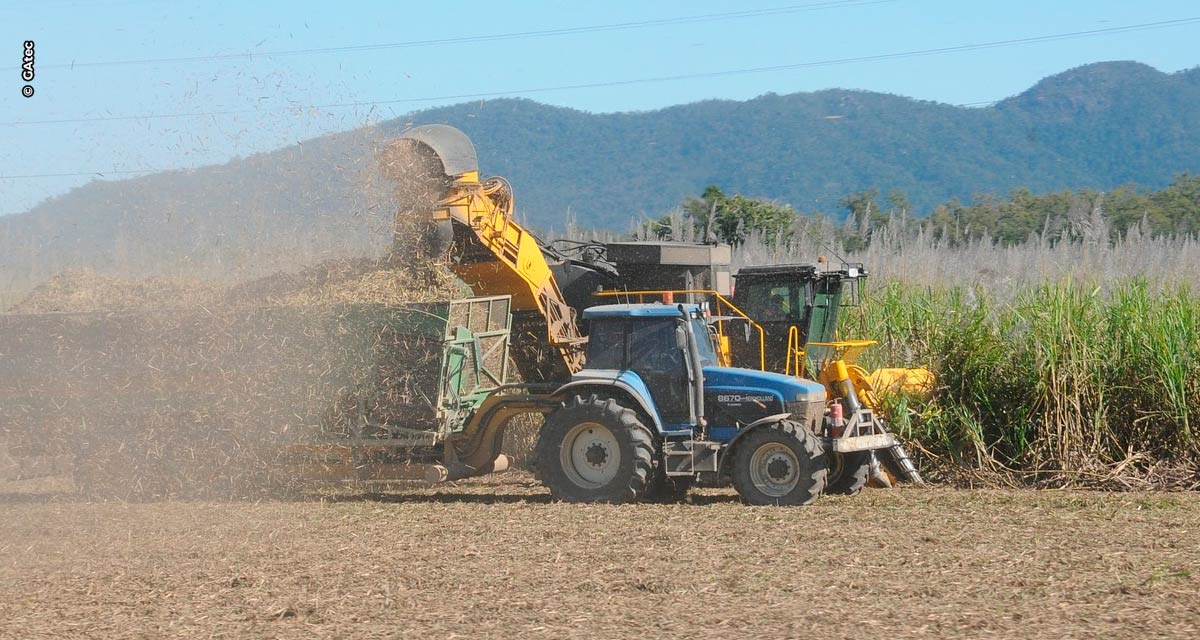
[648, 310]
[799, 271]
[807, 270]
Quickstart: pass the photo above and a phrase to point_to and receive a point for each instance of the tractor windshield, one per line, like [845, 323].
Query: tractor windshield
[650, 339]
[704, 343]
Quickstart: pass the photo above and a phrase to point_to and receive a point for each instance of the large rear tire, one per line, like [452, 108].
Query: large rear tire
[779, 464]
[595, 450]
[848, 472]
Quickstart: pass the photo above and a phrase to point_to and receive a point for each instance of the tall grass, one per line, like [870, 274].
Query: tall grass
[1065, 379]
[1068, 357]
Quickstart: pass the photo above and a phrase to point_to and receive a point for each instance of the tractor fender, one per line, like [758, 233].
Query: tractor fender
[771, 419]
[622, 388]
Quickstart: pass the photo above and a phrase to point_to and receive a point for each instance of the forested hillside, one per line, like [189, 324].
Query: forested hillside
[1096, 127]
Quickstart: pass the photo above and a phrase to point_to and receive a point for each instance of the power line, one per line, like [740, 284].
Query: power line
[614, 83]
[980, 103]
[89, 173]
[618, 26]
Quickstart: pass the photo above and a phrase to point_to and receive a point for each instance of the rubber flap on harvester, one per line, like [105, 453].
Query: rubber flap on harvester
[452, 147]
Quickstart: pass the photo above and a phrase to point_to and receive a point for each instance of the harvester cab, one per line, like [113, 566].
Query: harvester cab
[798, 307]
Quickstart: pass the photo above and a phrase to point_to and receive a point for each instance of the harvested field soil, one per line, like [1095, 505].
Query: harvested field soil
[495, 558]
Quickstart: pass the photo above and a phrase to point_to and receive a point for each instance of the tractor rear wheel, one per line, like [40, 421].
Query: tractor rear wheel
[595, 450]
[848, 472]
[779, 464]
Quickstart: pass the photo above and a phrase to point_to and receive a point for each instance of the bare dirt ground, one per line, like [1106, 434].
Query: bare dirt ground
[495, 558]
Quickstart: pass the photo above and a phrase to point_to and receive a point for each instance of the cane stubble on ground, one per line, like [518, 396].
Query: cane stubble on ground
[494, 557]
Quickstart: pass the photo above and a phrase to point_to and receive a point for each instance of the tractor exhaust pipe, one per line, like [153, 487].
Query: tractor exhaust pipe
[696, 372]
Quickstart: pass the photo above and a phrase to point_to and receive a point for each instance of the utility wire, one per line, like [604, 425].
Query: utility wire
[1163, 24]
[518, 35]
[90, 173]
[921, 52]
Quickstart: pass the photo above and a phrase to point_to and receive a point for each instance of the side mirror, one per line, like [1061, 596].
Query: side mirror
[681, 337]
[746, 331]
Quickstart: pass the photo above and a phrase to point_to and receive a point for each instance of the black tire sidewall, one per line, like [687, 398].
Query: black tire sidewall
[804, 445]
[848, 472]
[635, 472]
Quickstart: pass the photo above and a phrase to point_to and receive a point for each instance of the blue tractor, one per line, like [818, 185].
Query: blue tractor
[653, 412]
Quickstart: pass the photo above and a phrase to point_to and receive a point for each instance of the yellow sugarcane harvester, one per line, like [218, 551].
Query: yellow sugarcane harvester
[787, 314]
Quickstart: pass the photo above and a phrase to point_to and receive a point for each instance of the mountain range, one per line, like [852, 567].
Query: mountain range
[1098, 126]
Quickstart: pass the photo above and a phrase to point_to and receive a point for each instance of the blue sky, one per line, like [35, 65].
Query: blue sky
[255, 93]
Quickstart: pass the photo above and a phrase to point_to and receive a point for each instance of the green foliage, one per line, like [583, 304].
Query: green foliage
[1083, 215]
[1086, 216]
[1091, 129]
[1062, 378]
[732, 219]
[661, 229]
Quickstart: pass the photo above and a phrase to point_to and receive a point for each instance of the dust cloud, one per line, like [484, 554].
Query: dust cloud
[214, 379]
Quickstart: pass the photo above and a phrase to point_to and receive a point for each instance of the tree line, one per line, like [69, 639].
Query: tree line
[1083, 215]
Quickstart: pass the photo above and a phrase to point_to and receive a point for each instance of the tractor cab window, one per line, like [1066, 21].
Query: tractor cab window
[652, 345]
[651, 340]
[655, 355]
[606, 344]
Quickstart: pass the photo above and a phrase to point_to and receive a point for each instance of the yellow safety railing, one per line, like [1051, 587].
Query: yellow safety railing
[795, 354]
[847, 351]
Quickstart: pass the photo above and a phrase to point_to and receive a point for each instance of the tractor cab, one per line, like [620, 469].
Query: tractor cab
[655, 345]
[796, 304]
[664, 355]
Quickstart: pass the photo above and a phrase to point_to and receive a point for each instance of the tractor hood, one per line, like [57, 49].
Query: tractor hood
[786, 388]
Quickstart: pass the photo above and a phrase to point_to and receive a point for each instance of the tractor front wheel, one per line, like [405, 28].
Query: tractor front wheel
[595, 450]
[779, 464]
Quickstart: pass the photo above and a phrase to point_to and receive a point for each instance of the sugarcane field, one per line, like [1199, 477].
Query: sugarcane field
[833, 363]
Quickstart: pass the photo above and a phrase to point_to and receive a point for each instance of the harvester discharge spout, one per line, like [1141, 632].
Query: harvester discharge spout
[449, 145]
[474, 226]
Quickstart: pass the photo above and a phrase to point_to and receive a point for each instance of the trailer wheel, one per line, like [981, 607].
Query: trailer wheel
[779, 464]
[848, 472]
[595, 450]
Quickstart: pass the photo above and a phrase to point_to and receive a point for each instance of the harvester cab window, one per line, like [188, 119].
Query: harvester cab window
[773, 303]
